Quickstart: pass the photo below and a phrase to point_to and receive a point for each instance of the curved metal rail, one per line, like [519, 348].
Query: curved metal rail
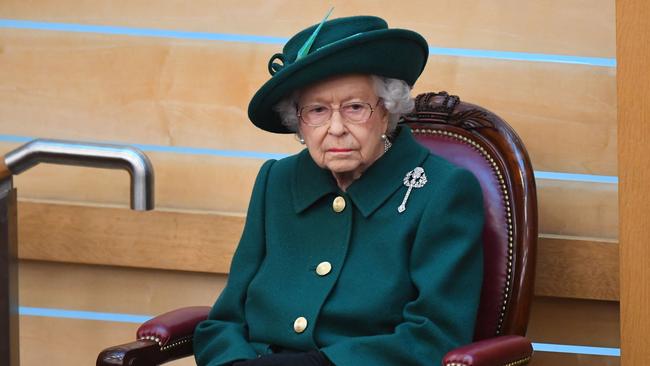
[91, 155]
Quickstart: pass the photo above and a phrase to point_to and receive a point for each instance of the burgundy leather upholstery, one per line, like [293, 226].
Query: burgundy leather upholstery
[504, 350]
[174, 326]
[162, 339]
[480, 141]
[494, 231]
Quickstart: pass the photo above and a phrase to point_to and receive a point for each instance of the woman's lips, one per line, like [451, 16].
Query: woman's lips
[338, 150]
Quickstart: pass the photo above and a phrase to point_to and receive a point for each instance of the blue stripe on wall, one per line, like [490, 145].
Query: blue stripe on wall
[524, 56]
[132, 318]
[576, 177]
[139, 32]
[583, 350]
[83, 315]
[260, 39]
[184, 150]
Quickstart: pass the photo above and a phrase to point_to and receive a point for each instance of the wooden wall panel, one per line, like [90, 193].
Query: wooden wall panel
[565, 114]
[565, 359]
[62, 342]
[175, 92]
[633, 53]
[220, 184]
[574, 27]
[574, 321]
[149, 291]
[111, 236]
[187, 182]
[578, 208]
[205, 243]
[577, 269]
[110, 289]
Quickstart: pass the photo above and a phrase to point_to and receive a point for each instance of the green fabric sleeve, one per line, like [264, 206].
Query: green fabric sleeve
[223, 337]
[446, 266]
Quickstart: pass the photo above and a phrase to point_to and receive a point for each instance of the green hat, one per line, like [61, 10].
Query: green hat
[359, 44]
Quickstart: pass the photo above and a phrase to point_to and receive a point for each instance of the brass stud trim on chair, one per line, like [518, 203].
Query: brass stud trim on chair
[506, 199]
[179, 342]
[520, 362]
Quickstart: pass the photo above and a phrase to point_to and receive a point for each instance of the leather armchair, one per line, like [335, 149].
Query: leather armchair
[469, 136]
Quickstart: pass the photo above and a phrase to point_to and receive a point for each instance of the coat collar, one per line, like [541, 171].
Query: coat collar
[372, 189]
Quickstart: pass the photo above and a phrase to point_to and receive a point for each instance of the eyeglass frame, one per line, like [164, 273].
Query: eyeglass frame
[329, 119]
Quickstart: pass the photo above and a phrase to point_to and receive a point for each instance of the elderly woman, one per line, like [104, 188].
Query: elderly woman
[364, 248]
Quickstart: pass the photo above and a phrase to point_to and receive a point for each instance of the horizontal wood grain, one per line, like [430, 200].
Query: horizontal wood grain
[113, 289]
[149, 292]
[574, 321]
[578, 208]
[195, 93]
[223, 185]
[205, 243]
[574, 27]
[187, 182]
[113, 236]
[584, 269]
[566, 359]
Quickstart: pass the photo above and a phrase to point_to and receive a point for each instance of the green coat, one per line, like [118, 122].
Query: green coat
[403, 288]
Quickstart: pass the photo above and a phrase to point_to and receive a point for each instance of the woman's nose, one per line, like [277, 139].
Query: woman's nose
[337, 124]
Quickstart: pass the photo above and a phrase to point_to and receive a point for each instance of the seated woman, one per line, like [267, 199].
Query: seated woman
[364, 248]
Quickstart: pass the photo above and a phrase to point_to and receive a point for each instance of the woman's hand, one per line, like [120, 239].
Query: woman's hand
[311, 358]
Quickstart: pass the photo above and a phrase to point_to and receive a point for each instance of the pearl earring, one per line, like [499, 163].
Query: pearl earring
[387, 143]
[300, 139]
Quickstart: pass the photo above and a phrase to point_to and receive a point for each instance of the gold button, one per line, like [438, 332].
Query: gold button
[339, 204]
[323, 268]
[300, 324]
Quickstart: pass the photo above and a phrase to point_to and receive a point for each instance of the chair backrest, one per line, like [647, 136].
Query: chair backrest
[480, 141]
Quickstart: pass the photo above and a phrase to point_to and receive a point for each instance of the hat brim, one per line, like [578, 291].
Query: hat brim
[394, 53]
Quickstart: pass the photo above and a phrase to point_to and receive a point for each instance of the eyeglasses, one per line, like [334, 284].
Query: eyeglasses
[316, 115]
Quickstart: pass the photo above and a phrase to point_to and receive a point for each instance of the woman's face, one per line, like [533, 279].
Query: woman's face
[346, 149]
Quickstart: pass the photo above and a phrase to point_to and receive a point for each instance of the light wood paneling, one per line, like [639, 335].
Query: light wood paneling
[111, 236]
[206, 243]
[633, 54]
[577, 269]
[569, 359]
[575, 322]
[575, 27]
[59, 342]
[65, 342]
[218, 184]
[150, 292]
[578, 208]
[192, 93]
[102, 289]
[565, 114]
[189, 182]
[140, 291]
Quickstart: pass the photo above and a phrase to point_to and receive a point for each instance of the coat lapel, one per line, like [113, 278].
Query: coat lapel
[369, 192]
[386, 175]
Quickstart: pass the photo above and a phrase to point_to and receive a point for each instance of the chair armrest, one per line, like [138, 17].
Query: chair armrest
[161, 339]
[510, 350]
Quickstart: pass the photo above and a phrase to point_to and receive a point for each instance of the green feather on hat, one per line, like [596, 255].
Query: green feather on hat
[351, 45]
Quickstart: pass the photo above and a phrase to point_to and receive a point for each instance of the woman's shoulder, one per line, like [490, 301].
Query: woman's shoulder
[285, 165]
[280, 172]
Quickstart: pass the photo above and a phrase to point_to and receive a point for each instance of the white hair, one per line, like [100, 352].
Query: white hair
[394, 93]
